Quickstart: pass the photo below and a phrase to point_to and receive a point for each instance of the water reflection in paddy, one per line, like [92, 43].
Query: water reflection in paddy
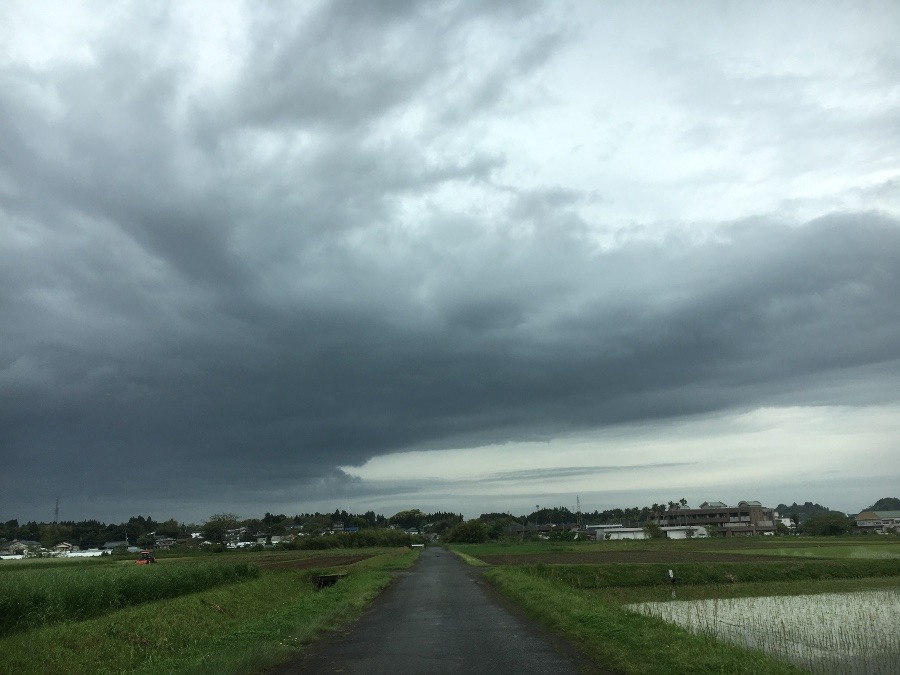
[824, 633]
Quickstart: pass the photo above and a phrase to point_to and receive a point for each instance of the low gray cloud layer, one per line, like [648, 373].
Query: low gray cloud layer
[232, 267]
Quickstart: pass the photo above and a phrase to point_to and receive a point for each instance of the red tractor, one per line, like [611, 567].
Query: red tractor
[145, 559]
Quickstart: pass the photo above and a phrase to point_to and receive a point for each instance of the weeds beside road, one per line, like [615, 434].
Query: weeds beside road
[232, 628]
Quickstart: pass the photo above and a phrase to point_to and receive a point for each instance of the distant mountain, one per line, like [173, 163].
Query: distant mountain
[885, 504]
[803, 511]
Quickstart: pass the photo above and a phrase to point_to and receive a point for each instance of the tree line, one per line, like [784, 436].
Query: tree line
[143, 531]
[808, 518]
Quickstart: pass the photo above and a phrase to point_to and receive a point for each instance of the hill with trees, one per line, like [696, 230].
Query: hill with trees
[885, 504]
[800, 513]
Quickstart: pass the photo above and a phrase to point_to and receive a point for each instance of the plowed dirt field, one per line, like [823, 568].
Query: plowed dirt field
[308, 563]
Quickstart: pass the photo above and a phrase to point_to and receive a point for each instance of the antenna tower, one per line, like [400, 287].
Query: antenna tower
[578, 511]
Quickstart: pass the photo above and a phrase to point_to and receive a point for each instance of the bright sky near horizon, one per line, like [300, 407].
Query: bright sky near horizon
[453, 256]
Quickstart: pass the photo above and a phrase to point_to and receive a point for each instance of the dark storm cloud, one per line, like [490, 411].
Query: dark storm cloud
[664, 331]
[229, 294]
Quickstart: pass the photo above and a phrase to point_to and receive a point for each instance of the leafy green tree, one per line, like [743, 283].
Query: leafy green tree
[146, 541]
[31, 531]
[410, 518]
[444, 525]
[255, 527]
[270, 519]
[557, 515]
[654, 531]
[169, 528]
[89, 539]
[471, 532]
[10, 529]
[358, 521]
[831, 524]
[803, 511]
[216, 525]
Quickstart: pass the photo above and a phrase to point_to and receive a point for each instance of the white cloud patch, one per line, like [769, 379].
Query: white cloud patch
[760, 454]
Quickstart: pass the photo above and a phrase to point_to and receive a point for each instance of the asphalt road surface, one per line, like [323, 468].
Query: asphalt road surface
[440, 617]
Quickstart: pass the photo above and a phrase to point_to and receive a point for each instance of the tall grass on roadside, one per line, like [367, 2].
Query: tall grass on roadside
[236, 628]
[32, 598]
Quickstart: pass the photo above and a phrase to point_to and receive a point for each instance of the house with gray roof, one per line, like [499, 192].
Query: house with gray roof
[878, 521]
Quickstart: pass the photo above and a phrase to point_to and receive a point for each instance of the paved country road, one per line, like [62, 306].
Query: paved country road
[440, 617]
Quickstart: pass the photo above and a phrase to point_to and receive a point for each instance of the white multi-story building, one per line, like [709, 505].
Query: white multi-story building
[746, 519]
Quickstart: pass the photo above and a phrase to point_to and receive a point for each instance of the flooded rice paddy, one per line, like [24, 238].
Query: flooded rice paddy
[824, 633]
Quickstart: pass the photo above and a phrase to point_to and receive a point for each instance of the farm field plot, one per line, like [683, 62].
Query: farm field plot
[888, 550]
[36, 597]
[237, 624]
[588, 593]
[313, 562]
[823, 633]
[648, 552]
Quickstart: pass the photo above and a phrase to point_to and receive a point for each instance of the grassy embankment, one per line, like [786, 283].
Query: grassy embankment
[233, 626]
[584, 603]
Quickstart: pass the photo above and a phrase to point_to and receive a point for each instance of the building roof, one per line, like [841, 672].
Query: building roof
[881, 515]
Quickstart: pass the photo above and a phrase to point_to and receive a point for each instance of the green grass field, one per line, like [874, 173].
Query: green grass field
[233, 626]
[239, 612]
[31, 598]
[585, 603]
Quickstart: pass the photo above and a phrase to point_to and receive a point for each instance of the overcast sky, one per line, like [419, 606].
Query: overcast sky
[462, 256]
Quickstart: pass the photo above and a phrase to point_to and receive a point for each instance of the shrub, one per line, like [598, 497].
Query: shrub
[471, 532]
